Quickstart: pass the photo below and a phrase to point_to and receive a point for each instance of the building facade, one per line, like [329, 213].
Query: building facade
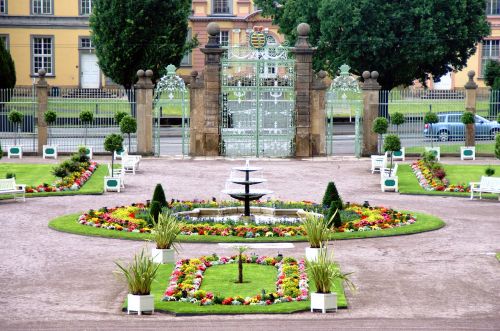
[55, 35]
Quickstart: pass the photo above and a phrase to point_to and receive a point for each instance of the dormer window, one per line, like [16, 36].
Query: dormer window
[221, 7]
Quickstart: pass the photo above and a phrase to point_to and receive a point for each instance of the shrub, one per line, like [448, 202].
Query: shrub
[497, 146]
[468, 118]
[128, 125]
[333, 216]
[331, 194]
[317, 230]
[392, 144]
[165, 230]
[7, 72]
[159, 195]
[112, 143]
[50, 117]
[397, 119]
[139, 274]
[60, 171]
[119, 115]
[380, 125]
[86, 117]
[489, 171]
[155, 210]
[431, 118]
[10, 175]
[71, 166]
[439, 173]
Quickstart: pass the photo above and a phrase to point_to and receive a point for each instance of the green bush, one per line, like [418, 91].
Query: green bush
[86, 117]
[489, 171]
[331, 194]
[333, 217]
[397, 119]
[71, 166]
[50, 117]
[159, 195]
[392, 143]
[119, 115]
[468, 118]
[431, 118]
[112, 143]
[128, 125]
[380, 125]
[497, 146]
[155, 210]
[10, 175]
[16, 117]
[60, 171]
[7, 72]
[81, 155]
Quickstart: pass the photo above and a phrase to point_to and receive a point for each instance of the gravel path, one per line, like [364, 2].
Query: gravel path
[445, 279]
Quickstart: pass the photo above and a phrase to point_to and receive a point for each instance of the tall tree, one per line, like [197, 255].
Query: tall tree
[7, 74]
[403, 40]
[139, 34]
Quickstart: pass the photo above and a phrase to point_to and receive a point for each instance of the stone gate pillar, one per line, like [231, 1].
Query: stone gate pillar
[42, 89]
[470, 105]
[212, 87]
[144, 105]
[197, 114]
[318, 115]
[371, 89]
[303, 68]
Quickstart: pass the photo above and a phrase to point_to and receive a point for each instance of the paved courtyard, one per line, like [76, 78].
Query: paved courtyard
[445, 279]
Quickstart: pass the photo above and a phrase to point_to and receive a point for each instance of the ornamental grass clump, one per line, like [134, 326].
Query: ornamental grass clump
[317, 230]
[165, 230]
[324, 272]
[139, 274]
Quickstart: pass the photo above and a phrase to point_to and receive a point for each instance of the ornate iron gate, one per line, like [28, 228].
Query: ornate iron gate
[258, 99]
[344, 100]
[171, 101]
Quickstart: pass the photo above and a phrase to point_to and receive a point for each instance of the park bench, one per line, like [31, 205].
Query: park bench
[130, 163]
[9, 186]
[378, 162]
[486, 185]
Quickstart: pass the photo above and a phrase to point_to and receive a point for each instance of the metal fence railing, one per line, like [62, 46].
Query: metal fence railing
[25, 135]
[68, 132]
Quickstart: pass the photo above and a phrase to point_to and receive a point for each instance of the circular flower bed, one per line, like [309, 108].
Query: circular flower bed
[187, 276]
[135, 218]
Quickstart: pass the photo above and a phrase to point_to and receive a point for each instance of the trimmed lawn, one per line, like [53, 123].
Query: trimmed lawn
[457, 174]
[184, 308]
[220, 279]
[68, 223]
[481, 148]
[36, 174]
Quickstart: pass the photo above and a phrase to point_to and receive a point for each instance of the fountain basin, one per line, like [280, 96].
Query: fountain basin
[243, 181]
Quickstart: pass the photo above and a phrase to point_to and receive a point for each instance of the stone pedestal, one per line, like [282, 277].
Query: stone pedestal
[371, 97]
[318, 115]
[144, 106]
[470, 105]
[42, 88]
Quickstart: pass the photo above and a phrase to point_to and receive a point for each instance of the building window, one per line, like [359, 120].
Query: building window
[43, 54]
[187, 59]
[86, 43]
[3, 6]
[490, 51]
[492, 7]
[4, 39]
[41, 7]
[224, 38]
[221, 7]
[85, 7]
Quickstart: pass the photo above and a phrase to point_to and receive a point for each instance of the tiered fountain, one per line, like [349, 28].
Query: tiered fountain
[248, 194]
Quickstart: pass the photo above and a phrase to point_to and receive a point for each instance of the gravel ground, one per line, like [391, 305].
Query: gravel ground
[445, 279]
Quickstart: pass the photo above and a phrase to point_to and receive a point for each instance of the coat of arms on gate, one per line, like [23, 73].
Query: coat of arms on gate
[258, 37]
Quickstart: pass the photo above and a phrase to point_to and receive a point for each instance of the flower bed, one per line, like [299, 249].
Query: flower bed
[134, 218]
[72, 182]
[187, 276]
[430, 182]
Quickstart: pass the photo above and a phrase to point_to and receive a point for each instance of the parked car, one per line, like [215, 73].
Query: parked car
[450, 127]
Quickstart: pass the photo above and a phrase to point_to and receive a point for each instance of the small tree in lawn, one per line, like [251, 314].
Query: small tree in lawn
[468, 119]
[241, 250]
[380, 126]
[392, 144]
[112, 143]
[128, 125]
[431, 118]
[119, 115]
[16, 118]
[397, 119]
[489, 171]
[50, 117]
[331, 195]
[86, 117]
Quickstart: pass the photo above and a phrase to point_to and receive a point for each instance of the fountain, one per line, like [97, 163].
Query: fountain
[248, 194]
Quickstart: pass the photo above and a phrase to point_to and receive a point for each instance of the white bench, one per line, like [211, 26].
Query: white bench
[9, 186]
[486, 185]
[378, 162]
[117, 173]
[130, 163]
[49, 151]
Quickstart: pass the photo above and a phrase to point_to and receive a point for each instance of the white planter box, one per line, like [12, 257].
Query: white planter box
[312, 253]
[119, 155]
[389, 183]
[399, 155]
[112, 184]
[49, 151]
[140, 303]
[324, 301]
[15, 151]
[89, 152]
[436, 151]
[467, 153]
[163, 256]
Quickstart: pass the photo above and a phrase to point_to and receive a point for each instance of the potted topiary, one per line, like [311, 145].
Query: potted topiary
[49, 150]
[468, 152]
[164, 234]
[429, 119]
[16, 118]
[390, 180]
[139, 276]
[380, 126]
[128, 125]
[397, 119]
[317, 232]
[112, 143]
[324, 272]
[86, 117]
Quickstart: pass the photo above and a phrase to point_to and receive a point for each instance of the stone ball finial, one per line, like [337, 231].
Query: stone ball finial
[303, 29]
[42, 72]
[321, 74]
[366, 75]
[140, 73]
[149, 73]
[213, 29]
[194, 73]
[471, 74]
[374, 74]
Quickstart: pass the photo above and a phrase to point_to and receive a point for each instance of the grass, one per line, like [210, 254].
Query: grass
[36, 174]
[183, 308]
[457, 174]
[69, 224]
[482, 148]
[498, 257]
[221, 279]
